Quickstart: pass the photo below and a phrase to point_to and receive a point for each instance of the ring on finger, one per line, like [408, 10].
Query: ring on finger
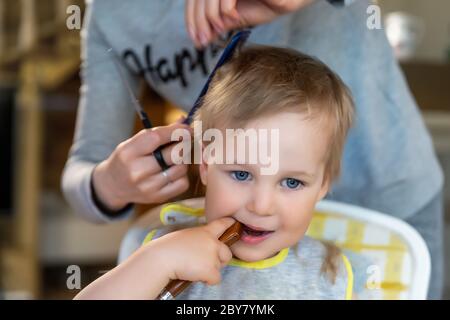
[166, 175]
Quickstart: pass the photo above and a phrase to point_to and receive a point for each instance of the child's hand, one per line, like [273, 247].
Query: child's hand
[195, 254]
[191, 254]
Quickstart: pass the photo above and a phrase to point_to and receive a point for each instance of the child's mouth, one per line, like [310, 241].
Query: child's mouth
[253, 235]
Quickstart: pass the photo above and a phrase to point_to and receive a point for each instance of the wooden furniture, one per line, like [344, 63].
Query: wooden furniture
[27, 63]
[429, 82]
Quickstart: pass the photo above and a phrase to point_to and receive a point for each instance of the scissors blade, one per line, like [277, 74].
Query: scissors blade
[136, 104]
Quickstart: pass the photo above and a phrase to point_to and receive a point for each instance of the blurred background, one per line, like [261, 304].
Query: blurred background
[39, 88]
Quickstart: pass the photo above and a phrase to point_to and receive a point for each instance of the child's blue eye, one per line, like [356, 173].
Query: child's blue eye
[240, 175]
[291, 183]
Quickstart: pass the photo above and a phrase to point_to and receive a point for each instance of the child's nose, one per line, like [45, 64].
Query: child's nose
[262, 201]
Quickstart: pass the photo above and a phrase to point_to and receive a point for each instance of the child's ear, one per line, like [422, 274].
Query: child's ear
[324, 188]
[203, 167]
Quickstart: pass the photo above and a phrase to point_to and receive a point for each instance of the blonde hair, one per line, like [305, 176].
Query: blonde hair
[262, 80]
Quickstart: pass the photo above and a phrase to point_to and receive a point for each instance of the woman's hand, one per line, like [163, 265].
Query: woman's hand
[132, 175]
[194, 254]
[207, 19]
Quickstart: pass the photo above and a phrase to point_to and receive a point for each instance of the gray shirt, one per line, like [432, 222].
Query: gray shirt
[383, 163]
[294, 273]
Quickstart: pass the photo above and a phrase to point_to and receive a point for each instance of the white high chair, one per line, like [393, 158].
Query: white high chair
[400, 261]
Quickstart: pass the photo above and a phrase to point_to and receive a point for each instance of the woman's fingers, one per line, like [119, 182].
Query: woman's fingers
[148, 165]
[165, 133]
[161, 189]
[189, 14]
[144, 142]
[204, 19]
[287, 6]
[214, 17]
[228, 9]
[174, 188]
[154, 183]
[229, 23]
[204, 32]
[171, 175]
[145, 166]
[148, 140]
[132, 174]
